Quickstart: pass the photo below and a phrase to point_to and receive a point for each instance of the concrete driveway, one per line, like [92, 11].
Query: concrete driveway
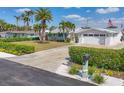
[15, 74]
[48, 60]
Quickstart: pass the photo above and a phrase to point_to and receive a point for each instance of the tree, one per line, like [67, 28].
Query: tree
[66, 27]
[2, 25]
[37, 27]
[17, 20]
[62, 27]
[26, 17]
[52, 28]
[43, 15]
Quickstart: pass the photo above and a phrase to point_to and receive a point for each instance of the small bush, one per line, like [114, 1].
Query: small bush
[15, 39]
[16, 49]
[91, 70]
[74, 69]
[109, 72]
[101, 58]
[67, 40]
[97, 78]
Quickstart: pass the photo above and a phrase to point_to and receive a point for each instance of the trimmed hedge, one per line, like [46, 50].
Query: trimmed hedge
[101, 58]
[16, 49]
[15, 39]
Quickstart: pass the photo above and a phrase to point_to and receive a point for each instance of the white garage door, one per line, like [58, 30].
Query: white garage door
[94, 40]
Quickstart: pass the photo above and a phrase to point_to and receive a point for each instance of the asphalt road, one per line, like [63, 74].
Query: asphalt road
[15, 74]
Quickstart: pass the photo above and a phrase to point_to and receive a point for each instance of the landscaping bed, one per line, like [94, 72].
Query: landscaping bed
[96, 74]
[102, 62]
[101, 58]
[15, 39]
[16, 49]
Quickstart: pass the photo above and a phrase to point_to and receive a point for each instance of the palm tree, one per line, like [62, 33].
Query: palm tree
[66, 27]
[63, 27]
[23, 19]
[52, 28]
[17, 20]
[26, 17]
[28, 14]
[2, 25]
[36, 27]
[43, 15]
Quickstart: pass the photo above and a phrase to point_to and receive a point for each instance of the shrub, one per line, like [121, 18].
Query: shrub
[97, 78]
[67, 40]
[91, 70]
[102, 58]
[74, 69]
[14, 39]
[109, 72]
[16, 49]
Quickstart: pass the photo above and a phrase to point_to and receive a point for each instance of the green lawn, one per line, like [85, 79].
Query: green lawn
[42, 46]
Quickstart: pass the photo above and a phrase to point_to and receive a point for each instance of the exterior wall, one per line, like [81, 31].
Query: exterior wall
[115, 39]
[96, 40]
[2, 35]
[8, 35]
[108, 39]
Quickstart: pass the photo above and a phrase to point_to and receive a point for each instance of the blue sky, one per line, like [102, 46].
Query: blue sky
[96, 16]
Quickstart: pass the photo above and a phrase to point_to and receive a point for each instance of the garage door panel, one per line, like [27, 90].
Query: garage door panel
[94, 40]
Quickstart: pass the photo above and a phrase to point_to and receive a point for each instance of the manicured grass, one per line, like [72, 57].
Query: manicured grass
[42, 46]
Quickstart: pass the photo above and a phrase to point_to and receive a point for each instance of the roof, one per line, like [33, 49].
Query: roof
[80, 30]
[57, 30]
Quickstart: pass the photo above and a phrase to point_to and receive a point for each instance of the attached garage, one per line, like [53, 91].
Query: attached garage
[98, 36]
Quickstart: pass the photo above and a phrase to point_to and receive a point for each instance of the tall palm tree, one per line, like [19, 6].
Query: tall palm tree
[43, 15]
[66, 27]
[17, 20]
[28, 15]
[2, 24]
[63, 27]
[23, 19]
[26, 18]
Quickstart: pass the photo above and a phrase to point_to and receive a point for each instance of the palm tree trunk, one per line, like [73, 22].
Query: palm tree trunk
[43, 30]
[27, 26]
[17, 25]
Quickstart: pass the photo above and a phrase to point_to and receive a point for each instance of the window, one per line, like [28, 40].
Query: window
[96, 34]
[90, 34]
[102, 34]
[85, 34]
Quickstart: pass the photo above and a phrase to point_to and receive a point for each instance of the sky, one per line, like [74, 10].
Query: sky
[81, 16]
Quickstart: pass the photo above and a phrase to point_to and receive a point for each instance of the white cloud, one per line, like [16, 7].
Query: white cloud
[88, 11]
[107, 10]
[72, 16]
[22, 10]
[75, 17]
[71, 7]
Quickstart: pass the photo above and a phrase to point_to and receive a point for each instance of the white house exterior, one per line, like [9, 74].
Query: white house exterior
[98, 36]
[8, 34]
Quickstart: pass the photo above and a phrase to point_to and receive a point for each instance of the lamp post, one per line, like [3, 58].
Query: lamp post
[85, 60]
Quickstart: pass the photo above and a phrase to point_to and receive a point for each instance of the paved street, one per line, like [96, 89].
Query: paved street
[15, 74]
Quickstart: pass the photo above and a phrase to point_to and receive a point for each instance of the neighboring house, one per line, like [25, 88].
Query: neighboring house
[9, 34]
[98, 36]
[56, 35]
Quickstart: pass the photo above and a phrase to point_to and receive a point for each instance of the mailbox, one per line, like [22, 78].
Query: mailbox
[85, 60]
[86, 57]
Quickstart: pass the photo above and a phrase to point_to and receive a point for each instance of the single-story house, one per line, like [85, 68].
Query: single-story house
[98, 36]
[56, 35]
[9, 34]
